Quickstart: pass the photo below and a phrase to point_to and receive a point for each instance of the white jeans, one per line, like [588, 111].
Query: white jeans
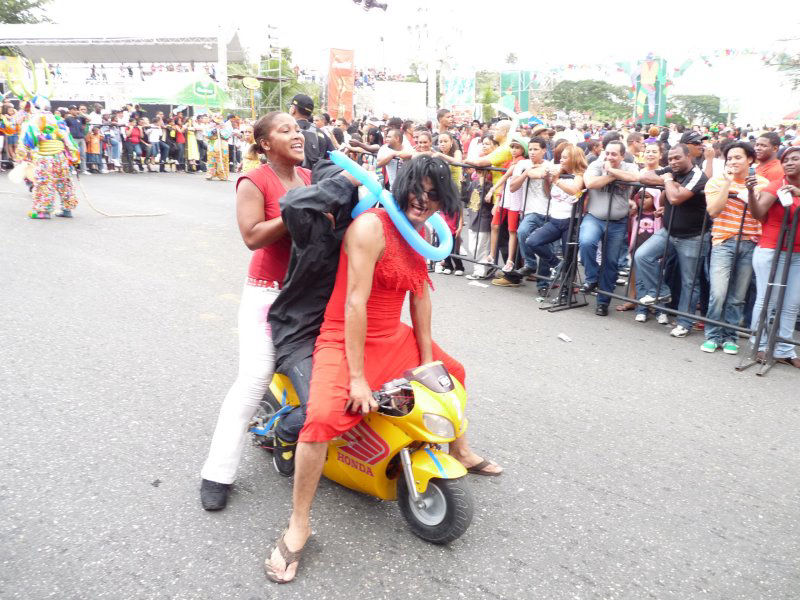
[256, 365]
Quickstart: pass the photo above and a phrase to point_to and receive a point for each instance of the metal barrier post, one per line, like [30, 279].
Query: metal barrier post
[769, 353]
[751, 358]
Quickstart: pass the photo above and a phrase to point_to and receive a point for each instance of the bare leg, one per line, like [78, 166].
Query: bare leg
[493, 241]
[512, 246]
[460, 450]
[309, 460]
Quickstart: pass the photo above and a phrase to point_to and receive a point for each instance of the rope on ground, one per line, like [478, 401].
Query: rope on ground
[113, 216]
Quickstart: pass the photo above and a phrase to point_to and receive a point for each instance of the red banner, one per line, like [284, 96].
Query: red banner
[341, 82]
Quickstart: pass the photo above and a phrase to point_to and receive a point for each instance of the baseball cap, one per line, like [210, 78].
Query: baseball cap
[522, 141]
[693, 137]
[304, 103]
[587, 135]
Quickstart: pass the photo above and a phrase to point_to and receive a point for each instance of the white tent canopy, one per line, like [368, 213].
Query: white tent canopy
[57, 44]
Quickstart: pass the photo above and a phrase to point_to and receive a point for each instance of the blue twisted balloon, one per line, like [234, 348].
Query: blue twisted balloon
[378, 194]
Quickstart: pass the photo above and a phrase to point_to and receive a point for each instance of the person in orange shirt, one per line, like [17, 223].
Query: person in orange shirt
[733, 237]
[94, 150]
[767, 163]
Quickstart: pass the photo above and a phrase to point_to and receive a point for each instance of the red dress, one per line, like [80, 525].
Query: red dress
[390, 347]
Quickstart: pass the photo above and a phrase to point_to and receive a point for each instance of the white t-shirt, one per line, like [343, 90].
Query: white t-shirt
[95, 118]
[513, 200]
[537, 198]
[153, 134]
[560, 203]
[392, 166]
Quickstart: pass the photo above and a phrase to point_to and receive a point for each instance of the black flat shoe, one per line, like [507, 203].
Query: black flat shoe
[601, 310]
[588, 288]
[214, 495]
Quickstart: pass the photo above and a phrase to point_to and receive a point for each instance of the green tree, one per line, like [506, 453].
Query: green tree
[487, 87]
[789, 64]
[599, 98]
[21, 11]
[700, 109]
[274, 95]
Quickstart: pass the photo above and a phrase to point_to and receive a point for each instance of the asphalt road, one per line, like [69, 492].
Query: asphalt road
[636, 466]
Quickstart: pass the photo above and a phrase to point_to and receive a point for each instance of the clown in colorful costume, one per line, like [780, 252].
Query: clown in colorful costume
[218, 136]
[47, 138]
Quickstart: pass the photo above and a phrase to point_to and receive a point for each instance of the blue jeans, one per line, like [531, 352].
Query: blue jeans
[539, 243]
[289, 426]
[530, 223]
[688, 251]
[762, 260]
[116, 148]
[591, 234]
[723, 260]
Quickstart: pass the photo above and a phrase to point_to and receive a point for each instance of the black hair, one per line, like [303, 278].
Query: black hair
[619, 143]
[611, 136]
[337, 133]
[374, 136]
[442, 112]
[475, 121]
[635, 136]
[395, 123]
[683, 148]
[788, 151]
[538, 140]
[774, 138]
[749, 151]
[409, 181]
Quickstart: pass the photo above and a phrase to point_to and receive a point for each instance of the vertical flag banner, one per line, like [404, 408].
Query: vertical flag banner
[458, 95]
[341, 84]
[650, 99]
[515, 89]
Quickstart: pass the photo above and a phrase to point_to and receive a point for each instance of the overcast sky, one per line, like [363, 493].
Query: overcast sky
[472, 37]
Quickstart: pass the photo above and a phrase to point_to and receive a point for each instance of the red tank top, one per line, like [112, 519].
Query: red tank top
[398, 271]
[271, 262]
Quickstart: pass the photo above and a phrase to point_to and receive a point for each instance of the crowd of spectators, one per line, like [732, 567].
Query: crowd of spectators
[132, 140]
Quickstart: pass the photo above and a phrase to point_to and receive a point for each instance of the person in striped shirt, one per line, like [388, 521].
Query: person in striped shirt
[728, 196]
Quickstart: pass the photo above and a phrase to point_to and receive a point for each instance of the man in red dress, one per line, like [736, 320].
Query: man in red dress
[363, 343]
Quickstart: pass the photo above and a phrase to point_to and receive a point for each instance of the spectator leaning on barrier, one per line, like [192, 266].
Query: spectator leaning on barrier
[684, 218]
[509, 206]
[767, 163]
[566, 185]
[770, 212]
[699, 152]
[532, 174]
[727, 198]
[606, 220]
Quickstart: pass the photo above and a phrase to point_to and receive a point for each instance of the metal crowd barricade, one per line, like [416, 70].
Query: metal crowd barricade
[787, 234]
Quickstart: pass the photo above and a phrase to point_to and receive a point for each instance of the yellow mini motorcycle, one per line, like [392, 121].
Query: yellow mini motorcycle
[396, 452]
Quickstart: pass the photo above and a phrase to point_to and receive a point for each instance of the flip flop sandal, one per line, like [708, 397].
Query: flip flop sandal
[792, 362]
[288, 557]
[626, 306]
[479, 469]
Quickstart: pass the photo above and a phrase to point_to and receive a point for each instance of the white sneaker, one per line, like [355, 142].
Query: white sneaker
[104, 171]
[508, 267]
[662, 319]
[446, 271]
[648, 300]
[438, 268]
[458, 273]
[679, 332]
[640, 317]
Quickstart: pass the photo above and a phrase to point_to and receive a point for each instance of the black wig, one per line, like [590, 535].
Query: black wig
[409, 181]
